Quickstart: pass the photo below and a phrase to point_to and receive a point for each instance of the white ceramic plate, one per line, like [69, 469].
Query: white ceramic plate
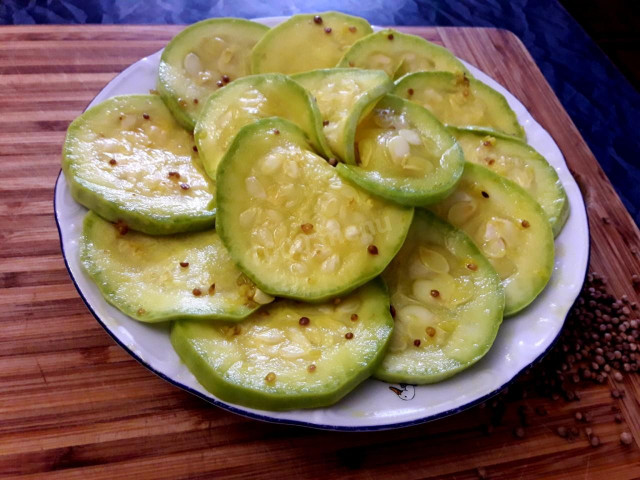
[522, 340]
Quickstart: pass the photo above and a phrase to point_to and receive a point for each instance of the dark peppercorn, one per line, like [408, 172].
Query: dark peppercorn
[372, 249]
[317, 19]
[184, 264]
[348, 336]
[304, 321]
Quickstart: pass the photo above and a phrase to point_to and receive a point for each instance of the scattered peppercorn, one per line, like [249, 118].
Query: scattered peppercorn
[325, 123]
[271, 377]
[472, 266]
[372, 249]
[317, 19]
[348, 336]
[141, 311]
[184, 264]
[626, 438]
[195, 149]
[212, 289]
[562, 432]
[195, 101]
[416, 342]
[354, 317]
[333, 162]
[276, 131]
[226, 79]
[594, 441]
[220, 83]
[435, 293]
[327, 30]
[525, 224]
[185, 186]
[122, 227]
[485, 194]
[390, 36]
[145, 116]
[307, 228]
[311, 368]
[430, 331]
[174, 175]
[196, 292]
[304, 321]
[113, 162]
[353, 29]
[392, 311]
[579, 416]
[410, 91]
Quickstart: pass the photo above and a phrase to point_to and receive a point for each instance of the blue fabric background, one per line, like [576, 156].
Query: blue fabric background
[604, 106]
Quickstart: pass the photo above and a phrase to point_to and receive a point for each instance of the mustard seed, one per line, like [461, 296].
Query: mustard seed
[271, 377]
[431, 331]
[311, 368]
[196, 292]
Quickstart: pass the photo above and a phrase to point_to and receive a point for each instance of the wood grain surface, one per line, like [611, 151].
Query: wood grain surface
[74, 405]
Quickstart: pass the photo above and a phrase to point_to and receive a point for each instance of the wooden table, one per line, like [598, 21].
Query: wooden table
[75, 405]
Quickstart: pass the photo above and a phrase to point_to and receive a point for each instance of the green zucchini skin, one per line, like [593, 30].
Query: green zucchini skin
[205, 348]
[399, 54]
[279, 95]
[302, 43]
[272, 273]
[493, 150]
[153, 279]
[397, 185]
[466, 318]
[342, 122]
[127, 190]
[519, 241]
[437, 91]
[177, 89]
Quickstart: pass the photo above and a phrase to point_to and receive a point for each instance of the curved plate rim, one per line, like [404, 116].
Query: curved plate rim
[310, 424]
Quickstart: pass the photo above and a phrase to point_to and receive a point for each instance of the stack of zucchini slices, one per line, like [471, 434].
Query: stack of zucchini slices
[306, 221]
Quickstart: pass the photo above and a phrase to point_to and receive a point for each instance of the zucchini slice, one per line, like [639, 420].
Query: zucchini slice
[460, 101]
[520, 163]
[153, 279]
[307, 42]
[290, 355]
[247, 100]
[344, 95]
[202, 58]
[400, 53]
[128, 160]
[509, 228]
[447, 315]
[405, 154]
[293, 225]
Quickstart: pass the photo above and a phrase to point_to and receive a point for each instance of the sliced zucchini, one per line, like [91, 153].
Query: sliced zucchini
[293, 225]
[128, 160]
[405, 154]
[307, 42]
[520, 163]
[344, 95]
[460, 101]
[447, 315]
[153, 279]
[400, 53]
[247, 100]
[509, 228]
[290, 355]
[202, 58]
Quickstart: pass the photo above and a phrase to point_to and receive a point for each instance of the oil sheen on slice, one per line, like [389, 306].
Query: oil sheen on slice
[129, 160]
[404, 154]
[460, 101]
[203, 58]
[289, 354]
[520, 163]
[399, 53]
[293, 225]
[307, 42]
[169, 277]
[247, 100]
[509, 228]
[448, 301]
[344, 95]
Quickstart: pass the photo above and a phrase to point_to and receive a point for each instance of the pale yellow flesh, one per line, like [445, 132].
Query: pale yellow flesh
[337, 94]
[459, 101]
[302, 359]
[300, 226]
[143, 276]
[519, 163]
[389, 143]
[301, 44]
[508, 227]
[244, 103]
[207, 55]
[145, 151]
[398, 54]
[447, 315]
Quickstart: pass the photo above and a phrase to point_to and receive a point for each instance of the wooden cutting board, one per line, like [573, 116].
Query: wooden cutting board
[75, 405]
